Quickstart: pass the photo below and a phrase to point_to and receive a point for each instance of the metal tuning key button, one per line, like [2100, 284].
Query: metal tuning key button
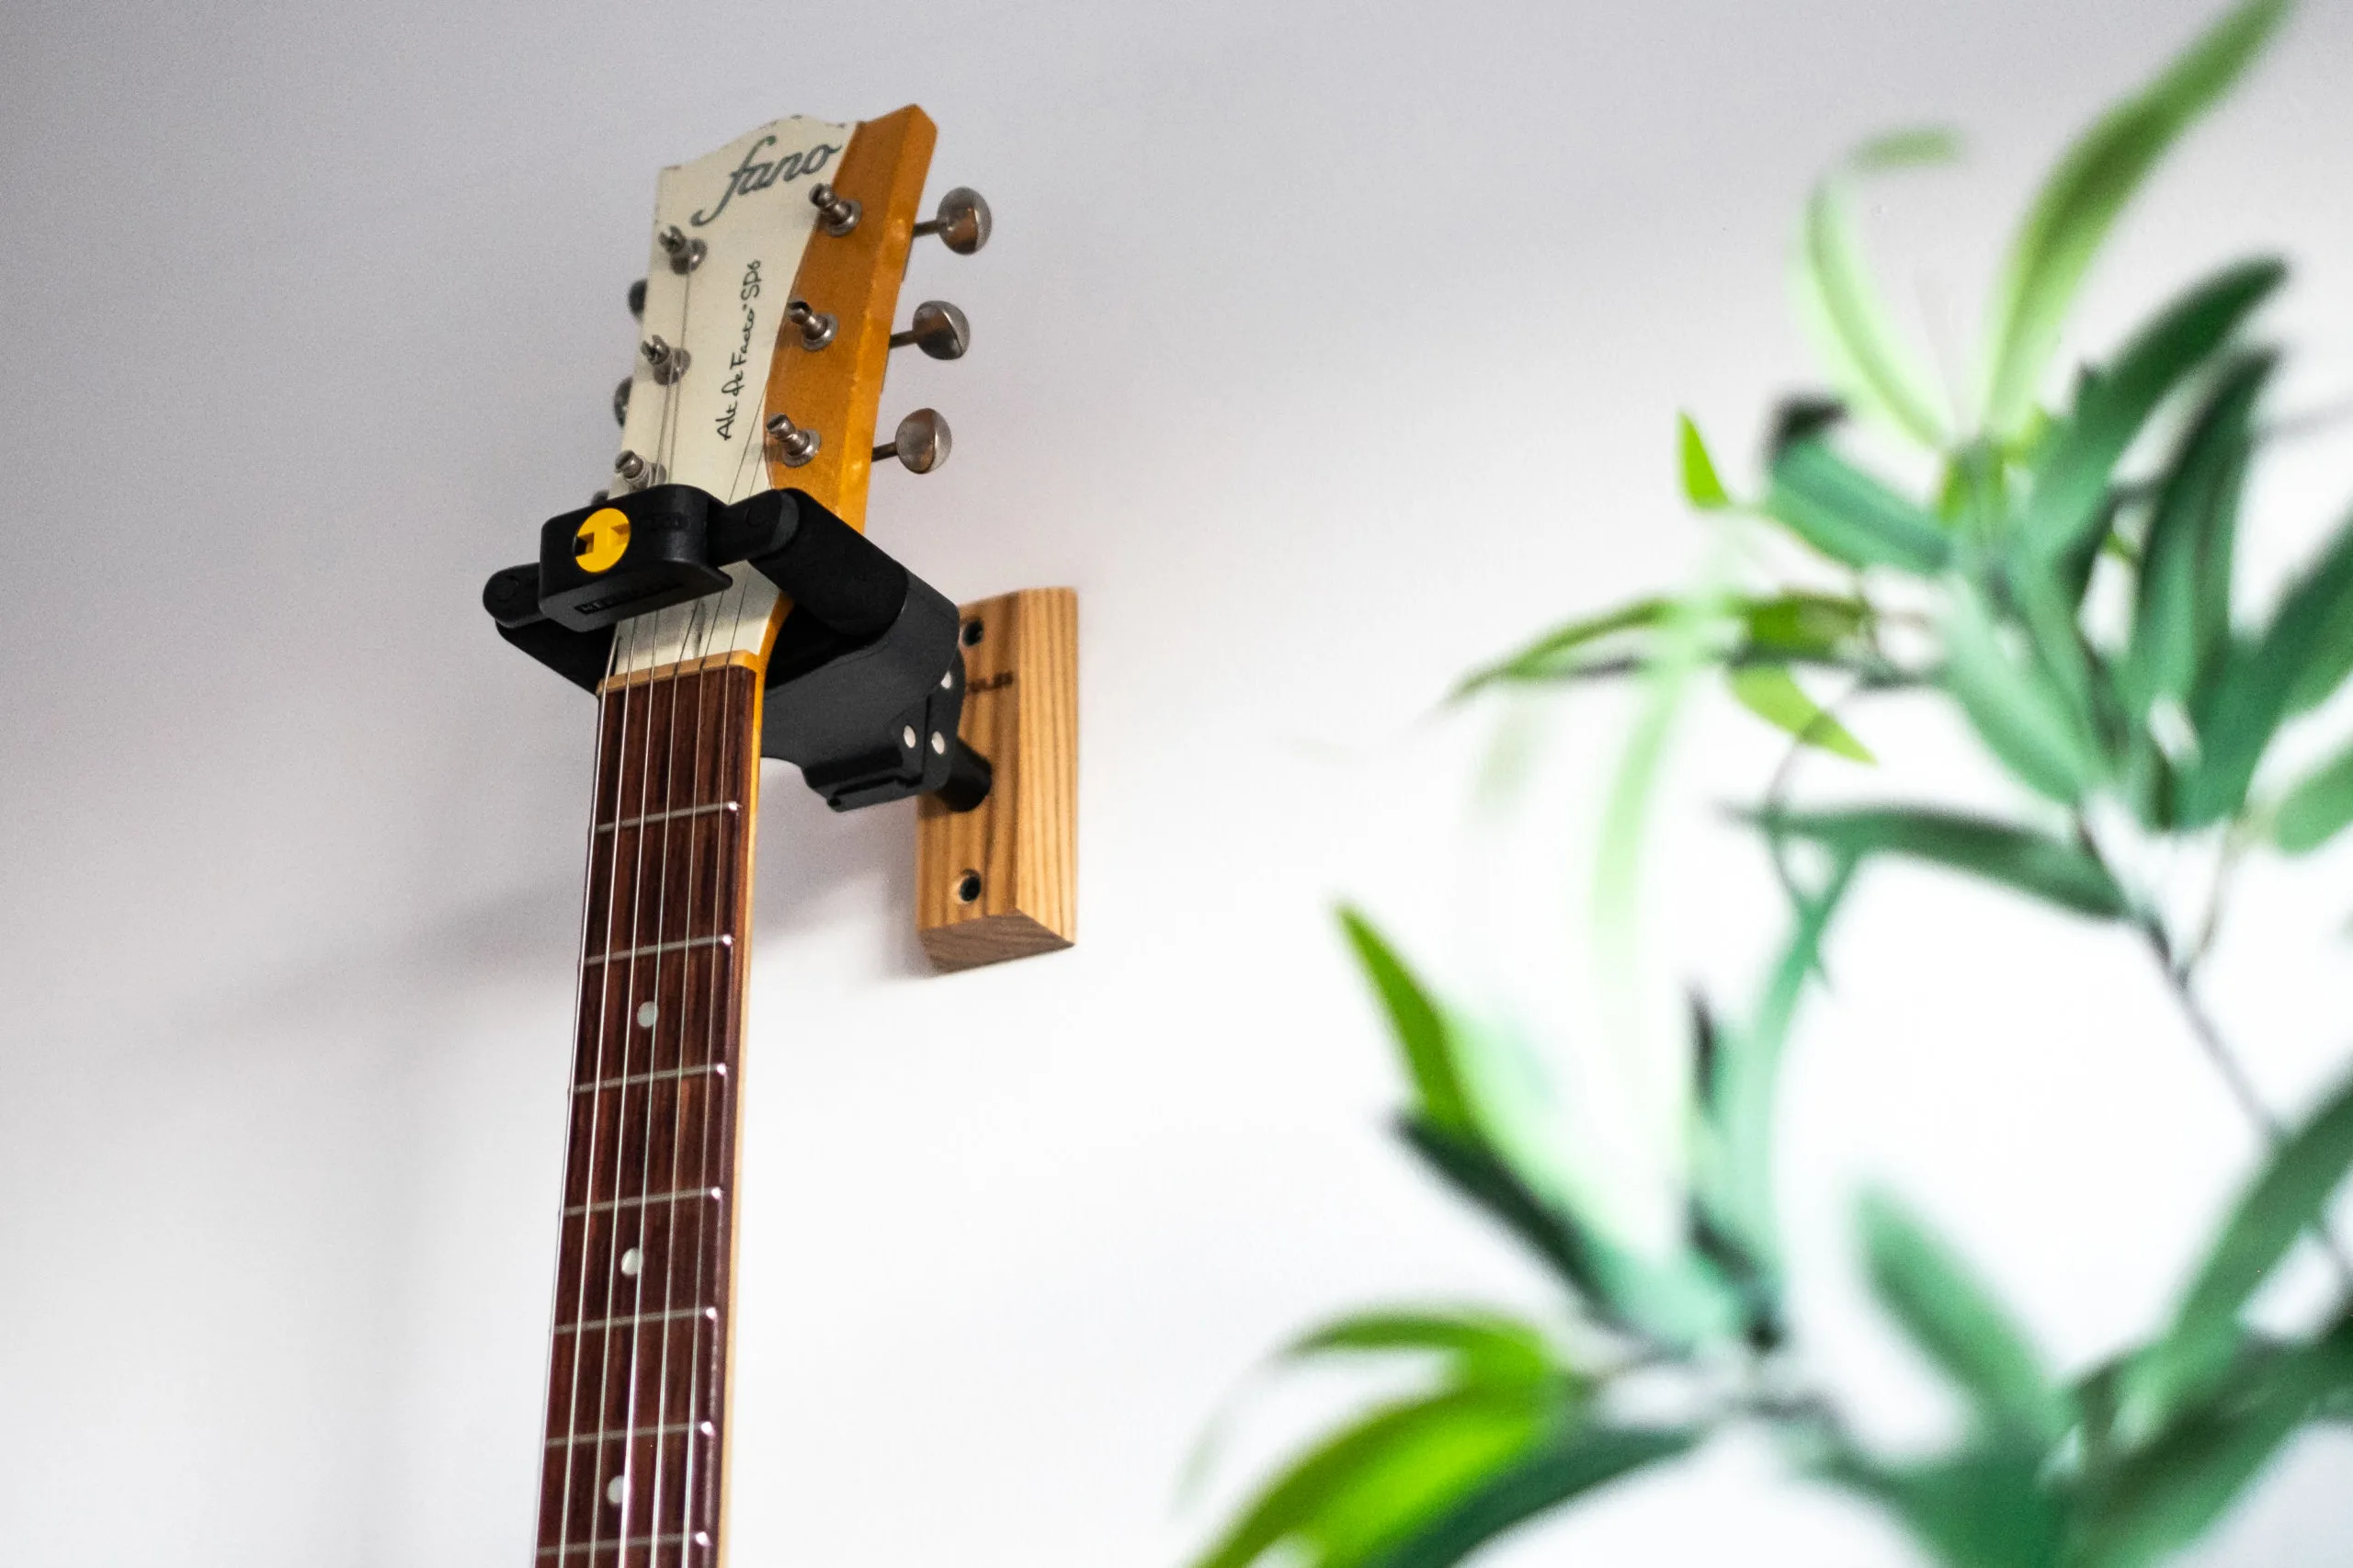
[636, 298]
[685, 254]
[621, 400]
[836, 215]
[939, 329]
[794, 445]
[922, 443]
[665, 361]
[962, 224]
[816, 327]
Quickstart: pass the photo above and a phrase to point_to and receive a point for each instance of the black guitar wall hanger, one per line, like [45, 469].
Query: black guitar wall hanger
[866, 682]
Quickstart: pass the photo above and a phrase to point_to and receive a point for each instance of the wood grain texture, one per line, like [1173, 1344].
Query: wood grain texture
[854, 277]
[1021, 712]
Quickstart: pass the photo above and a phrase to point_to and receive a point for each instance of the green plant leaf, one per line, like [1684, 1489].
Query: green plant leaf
[1959, 1323]
[1869, 359]
[2316, 810]
[2080, 200]
[1849, 516]
[2181, 624]
[1908, 148]
[2027, 723]
[1553, 655]
[1377, 1479]
[1797, 626]
[2333, 658]
[2289, 1196]
[2034, 863]
[1986, 1506]
[1482, 1349]
[1567, 1466]
[2238, 712]
[1733, 1160]
[2071, 500]
[1701, 487]
[1804, 626]
[1677, 1303]
[2169, 1492]
[1420, 1028]
[1770, 692]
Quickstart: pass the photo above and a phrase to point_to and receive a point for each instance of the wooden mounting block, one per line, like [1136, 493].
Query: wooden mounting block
[1000, 881]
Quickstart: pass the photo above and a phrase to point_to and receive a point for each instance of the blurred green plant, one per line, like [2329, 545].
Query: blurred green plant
[2075, 607]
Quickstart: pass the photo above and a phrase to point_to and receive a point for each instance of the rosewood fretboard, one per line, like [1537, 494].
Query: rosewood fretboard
[638, 1378]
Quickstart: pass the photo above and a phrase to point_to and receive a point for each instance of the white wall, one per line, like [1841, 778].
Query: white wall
[1327, 350]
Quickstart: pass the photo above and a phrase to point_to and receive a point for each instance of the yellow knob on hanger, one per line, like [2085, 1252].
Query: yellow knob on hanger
[602, 539]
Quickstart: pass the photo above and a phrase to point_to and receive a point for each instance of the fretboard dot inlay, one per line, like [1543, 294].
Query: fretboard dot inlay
[615, 1489]
[632, 1261]
[646, 1013]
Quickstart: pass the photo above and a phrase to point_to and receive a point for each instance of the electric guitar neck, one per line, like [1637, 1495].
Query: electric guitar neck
[746, 444]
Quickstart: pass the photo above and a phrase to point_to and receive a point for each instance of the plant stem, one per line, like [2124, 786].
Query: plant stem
[2181, 980]
[2233, 1073]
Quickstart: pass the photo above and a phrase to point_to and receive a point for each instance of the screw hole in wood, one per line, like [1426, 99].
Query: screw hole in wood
[967, 886]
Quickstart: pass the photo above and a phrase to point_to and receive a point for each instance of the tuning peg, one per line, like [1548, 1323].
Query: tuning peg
[792, 444]
[636, 298]
[815, 326]
[667, 361]
[836, 214]
[963, 222]
[621, 400]
[939, 329]
[636, 474]
[922, 442]
[685, 254]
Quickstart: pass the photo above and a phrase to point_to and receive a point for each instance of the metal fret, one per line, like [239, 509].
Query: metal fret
[653, 817]
[617, 1434]
[636, 1320]
[586, 1547]
[656, 949]
[718, 1067]
[681, 1196]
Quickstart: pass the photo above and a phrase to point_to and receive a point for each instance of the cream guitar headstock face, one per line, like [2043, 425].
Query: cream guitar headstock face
[728, 232]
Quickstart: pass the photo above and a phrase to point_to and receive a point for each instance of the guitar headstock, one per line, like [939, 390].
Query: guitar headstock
[766, 331]
[747, 440]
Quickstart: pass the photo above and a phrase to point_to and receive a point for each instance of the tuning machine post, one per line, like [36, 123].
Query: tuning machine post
[816, 327]
[794, 445]
[631, 472]
[685, 254]
[836, 215]
[962, 223]
[665, 362]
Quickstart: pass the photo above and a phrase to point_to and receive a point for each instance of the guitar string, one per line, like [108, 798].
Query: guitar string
[660, 680]
[693, 650]
[720, 1085]
[719, 1110]
[688, 669]
[667, 440]
[663, 452]
[579, 1003]
[622, 666]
